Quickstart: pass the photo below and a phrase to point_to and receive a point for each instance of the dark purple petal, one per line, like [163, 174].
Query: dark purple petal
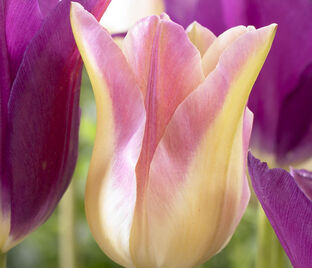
[282, 72]
[303, 179]
[46, 6]
[217, 16]
[43, 116]
[287, 208]
[22, 21]
[294, 133]
[4, 63]
[289, 57]
[5, 84]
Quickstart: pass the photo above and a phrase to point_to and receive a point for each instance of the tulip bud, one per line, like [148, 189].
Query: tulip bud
[167, 184]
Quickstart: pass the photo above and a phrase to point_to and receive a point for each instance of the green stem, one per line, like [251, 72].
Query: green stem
[67, 254]
[270, 252]
[2, 260]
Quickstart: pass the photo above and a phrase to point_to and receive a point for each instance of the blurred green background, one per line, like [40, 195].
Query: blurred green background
[42, 247]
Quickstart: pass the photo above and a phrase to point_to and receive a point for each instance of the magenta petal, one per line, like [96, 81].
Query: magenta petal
[287, 208]
[215, 15]
[46, 6]
[22, 20]
[5, 84]
[4, 63]
[43, 121]
[281, 77]
[294, 132]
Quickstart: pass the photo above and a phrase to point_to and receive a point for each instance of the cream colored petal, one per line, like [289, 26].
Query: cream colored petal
[213, 53]
[111, 185]
[200, 36]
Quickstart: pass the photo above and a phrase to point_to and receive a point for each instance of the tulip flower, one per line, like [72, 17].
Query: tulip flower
[286, 198]
[39, 113]
[281, 98]
[167, 184]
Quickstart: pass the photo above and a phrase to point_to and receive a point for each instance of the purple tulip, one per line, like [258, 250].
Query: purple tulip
[287, 201]
[40, 73]
[281, 98]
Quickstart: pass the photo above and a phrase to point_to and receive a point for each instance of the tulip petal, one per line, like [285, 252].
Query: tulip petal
[217, 15]
[197, 184]
[111, 186]
[43, 119]
[287, 208]
[46, 6]
[5, 84]
[167, 67]
[213, 53]
[23, 19]
[303, 179]
[296, 114]
[200, 36]
[281, 76]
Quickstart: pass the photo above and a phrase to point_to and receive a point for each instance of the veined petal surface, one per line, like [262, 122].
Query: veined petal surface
[22, 21]
[197, 185]
[4, 61]
[287, 207]
[46, 6]
[167, 68]
[111, 186]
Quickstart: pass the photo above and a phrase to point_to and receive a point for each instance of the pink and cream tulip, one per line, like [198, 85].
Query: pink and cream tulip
[167, 183]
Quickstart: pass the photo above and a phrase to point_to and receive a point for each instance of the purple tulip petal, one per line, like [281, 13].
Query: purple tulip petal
[46, 6]
[287, 208]
[201, 11]
[4, 62]
[281, 75]
[215, 15]
[295, 122]
[22, 20]
[4, 95]
[43, 116]
[282, 72]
